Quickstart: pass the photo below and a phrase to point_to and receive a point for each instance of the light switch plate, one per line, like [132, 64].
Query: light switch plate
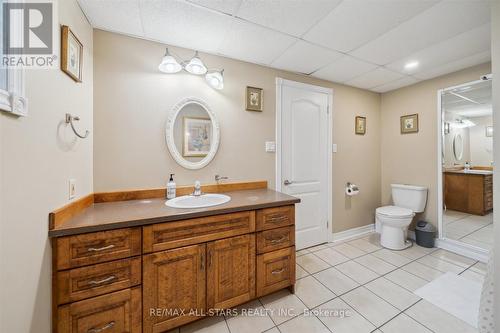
[72, 188]
[270, 147]
[334, 148]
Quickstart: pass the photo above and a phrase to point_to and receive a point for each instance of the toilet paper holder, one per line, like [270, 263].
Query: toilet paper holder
[351, 189]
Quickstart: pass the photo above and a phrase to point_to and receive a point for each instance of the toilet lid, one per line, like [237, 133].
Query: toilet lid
[395, 211]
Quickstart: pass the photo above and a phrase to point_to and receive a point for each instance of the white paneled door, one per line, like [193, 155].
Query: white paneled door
[303, 156]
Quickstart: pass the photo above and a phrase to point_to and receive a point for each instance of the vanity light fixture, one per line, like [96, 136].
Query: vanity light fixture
[169, 64]
[195, 66]
[463, 123]
[215, 79]
[411, 65]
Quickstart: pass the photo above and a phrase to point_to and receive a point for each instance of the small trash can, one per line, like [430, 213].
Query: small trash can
[425, 234]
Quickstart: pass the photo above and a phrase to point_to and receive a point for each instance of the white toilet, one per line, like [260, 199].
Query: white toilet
[392, 221]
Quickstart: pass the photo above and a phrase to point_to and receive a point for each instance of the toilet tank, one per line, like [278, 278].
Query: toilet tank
[409, 196]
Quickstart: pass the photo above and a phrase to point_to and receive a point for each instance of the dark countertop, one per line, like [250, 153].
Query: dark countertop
[123, 214]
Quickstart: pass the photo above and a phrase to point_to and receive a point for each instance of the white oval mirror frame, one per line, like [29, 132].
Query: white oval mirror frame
[458, 147]
[169, 134]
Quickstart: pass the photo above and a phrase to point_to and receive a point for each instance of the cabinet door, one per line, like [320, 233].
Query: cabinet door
[118, 312]
[231, 271]
[174, 287]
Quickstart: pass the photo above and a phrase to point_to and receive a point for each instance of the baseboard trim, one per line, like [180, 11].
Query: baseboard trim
[465, 250]
[346, 235]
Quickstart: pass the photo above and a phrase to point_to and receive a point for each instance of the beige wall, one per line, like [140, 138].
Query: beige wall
[132, 100]
[481, 146]
[412, 158]
[38, 157]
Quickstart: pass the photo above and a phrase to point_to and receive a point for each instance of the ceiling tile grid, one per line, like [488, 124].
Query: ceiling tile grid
[363, 43]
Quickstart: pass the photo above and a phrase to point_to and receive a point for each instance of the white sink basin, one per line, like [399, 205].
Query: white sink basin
[204, 200]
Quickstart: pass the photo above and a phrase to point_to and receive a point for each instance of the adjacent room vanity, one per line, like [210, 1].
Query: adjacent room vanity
[469, 191]
[140, 266]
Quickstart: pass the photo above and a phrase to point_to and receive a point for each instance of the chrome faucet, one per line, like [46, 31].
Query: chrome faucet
[197, 189]
[218, 178]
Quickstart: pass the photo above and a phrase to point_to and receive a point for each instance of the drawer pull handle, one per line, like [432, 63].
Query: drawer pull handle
[277, 271]
[108, 279]
[105, 327]
[277, 219]
[277, 240]
[97, 249]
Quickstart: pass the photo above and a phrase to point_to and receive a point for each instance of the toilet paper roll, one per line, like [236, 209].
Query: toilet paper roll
[351, 190]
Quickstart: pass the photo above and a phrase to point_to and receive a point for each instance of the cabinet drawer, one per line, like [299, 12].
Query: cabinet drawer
[274, 239]
[85, 282]
[119, 312]
[97, 247]
[271, 218]
[275, 270]
[170, 235]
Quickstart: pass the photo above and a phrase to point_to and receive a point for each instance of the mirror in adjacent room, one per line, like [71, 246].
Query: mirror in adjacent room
[192, 133]
[467, 164]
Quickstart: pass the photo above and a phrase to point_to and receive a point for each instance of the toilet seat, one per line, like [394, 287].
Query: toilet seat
[395, 212]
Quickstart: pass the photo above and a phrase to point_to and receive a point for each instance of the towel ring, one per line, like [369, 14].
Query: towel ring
[69, 120]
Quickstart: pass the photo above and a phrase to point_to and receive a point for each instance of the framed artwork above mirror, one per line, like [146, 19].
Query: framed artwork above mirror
[192, 133]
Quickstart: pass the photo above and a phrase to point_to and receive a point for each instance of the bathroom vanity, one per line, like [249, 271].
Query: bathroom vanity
[469, 191]
[140, 266]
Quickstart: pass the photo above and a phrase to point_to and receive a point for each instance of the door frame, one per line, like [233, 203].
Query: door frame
[280, 82]
[442, 242]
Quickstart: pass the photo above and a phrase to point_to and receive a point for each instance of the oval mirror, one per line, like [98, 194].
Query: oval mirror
[458, 147]
[192, 133]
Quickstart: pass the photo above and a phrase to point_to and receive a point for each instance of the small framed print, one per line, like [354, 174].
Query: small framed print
[71, 54]
[360, 127]
[197, 134]
[489, 131]
[409, 123]
[254, 99]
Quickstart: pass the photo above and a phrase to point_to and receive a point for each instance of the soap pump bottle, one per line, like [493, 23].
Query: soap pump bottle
[171, 187]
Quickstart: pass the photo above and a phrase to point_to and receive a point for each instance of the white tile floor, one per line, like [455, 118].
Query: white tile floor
[472, 229]
[354, 287]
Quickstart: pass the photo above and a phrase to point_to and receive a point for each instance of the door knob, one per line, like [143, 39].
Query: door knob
[287, 182]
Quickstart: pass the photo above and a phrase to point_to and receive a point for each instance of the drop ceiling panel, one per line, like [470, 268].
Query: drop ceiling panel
[343, 69]
[115, 15]
[253, 43]
[305, 58]
[224, 6]
[440, 22]
[403, 82]
[476, 59]
[290, 17]
[456, 48]
[355, 22]
[375, 78]
[181, 24]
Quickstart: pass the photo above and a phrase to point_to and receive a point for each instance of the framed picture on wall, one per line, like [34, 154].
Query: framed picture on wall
[71, 54]
[254, 99]
[409, 123]
[360, 125]
[197, 134]
[489, 131]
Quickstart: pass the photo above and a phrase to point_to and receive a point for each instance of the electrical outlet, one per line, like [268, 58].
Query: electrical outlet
[72, 188]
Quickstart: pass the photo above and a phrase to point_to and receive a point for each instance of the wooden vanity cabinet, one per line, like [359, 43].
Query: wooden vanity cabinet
[160, 276]
[174, 280]
[231, 271]
[468, 193]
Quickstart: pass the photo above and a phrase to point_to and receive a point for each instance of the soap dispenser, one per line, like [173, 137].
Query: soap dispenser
[171, 187]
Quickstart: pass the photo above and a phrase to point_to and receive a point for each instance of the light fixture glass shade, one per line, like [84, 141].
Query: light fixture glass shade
[196, 66]
[463, 123]
[169, 64]
[215, 79]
